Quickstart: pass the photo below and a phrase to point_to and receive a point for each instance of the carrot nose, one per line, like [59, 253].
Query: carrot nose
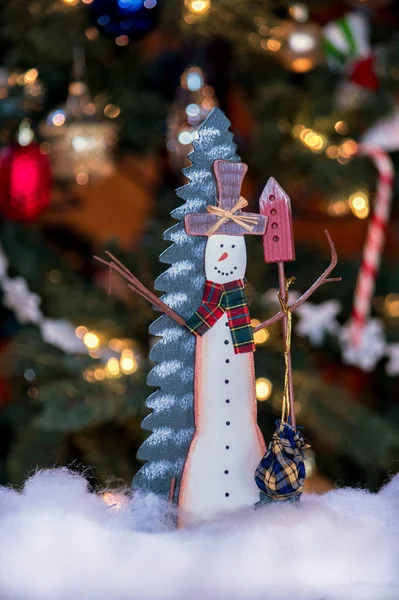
[223, 257]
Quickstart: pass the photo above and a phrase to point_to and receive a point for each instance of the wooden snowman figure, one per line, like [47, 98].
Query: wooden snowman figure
[218, 474]
[227, 446]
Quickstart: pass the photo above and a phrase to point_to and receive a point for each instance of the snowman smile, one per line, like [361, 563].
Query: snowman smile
[223, 256]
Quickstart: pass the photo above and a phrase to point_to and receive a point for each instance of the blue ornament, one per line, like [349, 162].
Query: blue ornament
[132, 19]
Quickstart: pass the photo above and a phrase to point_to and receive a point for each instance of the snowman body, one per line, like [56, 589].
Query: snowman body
[227, 446]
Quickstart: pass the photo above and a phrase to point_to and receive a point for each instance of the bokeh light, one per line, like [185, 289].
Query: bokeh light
[263, 389]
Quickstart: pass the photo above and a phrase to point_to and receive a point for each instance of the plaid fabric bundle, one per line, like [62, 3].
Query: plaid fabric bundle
[225, 297]
[281, 472]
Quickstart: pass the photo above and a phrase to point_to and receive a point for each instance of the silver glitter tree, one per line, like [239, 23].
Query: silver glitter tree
[172, 417]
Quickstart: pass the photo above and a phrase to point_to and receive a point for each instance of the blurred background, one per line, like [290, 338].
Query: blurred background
[99, 103]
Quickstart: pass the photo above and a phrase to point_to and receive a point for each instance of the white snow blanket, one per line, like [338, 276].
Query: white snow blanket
[59, 541]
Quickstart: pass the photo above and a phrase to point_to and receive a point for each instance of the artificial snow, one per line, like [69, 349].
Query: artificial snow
[58, 541]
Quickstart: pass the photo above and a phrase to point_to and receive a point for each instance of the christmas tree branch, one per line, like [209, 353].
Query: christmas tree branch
[319, 282]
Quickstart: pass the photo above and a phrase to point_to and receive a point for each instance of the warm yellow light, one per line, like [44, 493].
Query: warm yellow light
[31, 76]
[99, 374]
[359, 203]
[91, 340]
[89, 109]
[391, 305]
[362, 213]
[261, 336]
[58, 119]
[116, 345]
[114, 499]
[338, 208]
[71, 2]
[189, 18]
[301, 65]
[341, 127]
[128, 362]
[273, 45]
[358, 200]
[304, 133]
[12, 79]
[89, 376]
[299, 12]
[313, 140]
[332, 151]
[255, 322]
[263, 389]
[349, 147]
[297, 130]
[208, 103]
[80, 331]
[198, 7]
[112, 111]
[319, 144]
[310, 138]
[113, 367]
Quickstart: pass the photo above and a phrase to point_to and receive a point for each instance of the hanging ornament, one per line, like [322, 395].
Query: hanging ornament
[371, 4]
[25, 179]
[193, 102]
[196, 9]
[125, 20]
[80, 140]
[296, 42]
[347, 48]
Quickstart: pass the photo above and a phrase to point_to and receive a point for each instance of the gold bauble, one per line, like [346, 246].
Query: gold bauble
[301, 49]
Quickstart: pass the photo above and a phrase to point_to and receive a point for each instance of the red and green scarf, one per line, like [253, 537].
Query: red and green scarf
[220, 298]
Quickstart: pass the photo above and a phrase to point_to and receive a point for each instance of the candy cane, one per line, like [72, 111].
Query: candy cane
[375, 240]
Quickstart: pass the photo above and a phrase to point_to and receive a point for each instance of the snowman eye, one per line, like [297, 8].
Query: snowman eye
[221, 245]
[233, 246]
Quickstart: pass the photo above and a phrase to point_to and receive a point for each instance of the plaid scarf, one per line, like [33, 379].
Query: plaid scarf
[220, 298]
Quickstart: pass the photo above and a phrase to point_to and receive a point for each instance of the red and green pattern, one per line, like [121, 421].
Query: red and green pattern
[219, 298]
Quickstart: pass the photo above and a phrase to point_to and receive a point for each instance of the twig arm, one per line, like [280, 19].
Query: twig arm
[319, 282]
[136, 286]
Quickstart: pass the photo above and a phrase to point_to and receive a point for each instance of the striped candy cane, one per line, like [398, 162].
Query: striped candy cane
[375, 240]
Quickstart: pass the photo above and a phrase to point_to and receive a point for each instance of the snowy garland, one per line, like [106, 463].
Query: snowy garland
[26, 307]
[315, 321]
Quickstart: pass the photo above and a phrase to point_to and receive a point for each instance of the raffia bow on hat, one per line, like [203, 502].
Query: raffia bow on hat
[224, 215]
[227, 217]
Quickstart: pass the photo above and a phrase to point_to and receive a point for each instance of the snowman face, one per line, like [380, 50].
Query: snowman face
[225, 258]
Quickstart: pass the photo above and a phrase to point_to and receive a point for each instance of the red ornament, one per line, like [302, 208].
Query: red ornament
[25, 182]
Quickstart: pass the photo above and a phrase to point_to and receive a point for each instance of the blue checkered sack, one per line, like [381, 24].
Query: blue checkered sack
[281, 472]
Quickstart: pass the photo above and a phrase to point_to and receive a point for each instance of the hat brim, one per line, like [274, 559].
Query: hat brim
[201, 223]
